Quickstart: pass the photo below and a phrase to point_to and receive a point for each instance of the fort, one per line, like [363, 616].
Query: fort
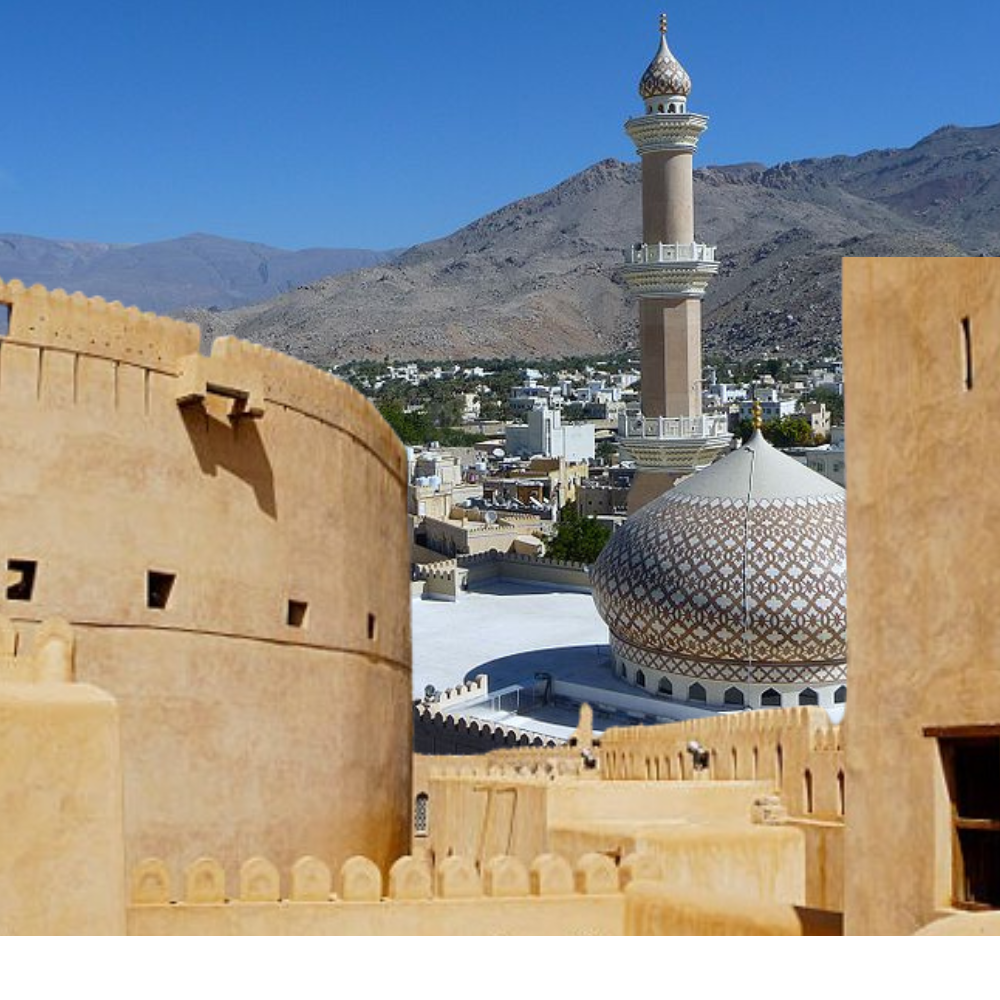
[205, 702]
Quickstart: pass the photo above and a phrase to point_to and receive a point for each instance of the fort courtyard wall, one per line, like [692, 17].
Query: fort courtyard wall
[201, 523]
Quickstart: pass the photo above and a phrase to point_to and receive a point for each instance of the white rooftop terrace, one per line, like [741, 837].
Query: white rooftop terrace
[512, 631]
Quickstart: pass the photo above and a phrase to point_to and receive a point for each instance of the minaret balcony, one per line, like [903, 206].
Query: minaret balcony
[664, 133]
[669, 270]
[670, 253]
[677, 444]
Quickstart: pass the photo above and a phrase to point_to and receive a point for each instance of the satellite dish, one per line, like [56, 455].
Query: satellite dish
[498, 453]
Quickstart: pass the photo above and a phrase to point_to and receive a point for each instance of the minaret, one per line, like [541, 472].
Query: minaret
[669, 272]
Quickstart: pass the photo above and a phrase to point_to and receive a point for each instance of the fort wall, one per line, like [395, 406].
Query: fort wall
[61, 834]
[200, 521]
[545, 896]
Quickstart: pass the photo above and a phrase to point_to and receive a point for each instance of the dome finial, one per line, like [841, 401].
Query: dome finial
[758, 421]
[664, 77]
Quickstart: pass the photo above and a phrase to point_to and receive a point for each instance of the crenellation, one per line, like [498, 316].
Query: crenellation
[311, 881]
[90, 325]
[260, 881]
[205, 882]
[360, 880]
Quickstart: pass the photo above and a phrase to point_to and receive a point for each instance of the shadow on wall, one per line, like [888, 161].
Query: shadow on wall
[235, 446]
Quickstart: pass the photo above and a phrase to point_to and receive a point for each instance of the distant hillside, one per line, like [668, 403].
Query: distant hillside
[539, 276]
[192, 271]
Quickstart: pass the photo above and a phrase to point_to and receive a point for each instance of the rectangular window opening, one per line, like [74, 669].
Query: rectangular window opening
[967, 350]
[20, 579]
[4, 319]
[297, 611]
[371, 627]
[972, 772]
[158, 588]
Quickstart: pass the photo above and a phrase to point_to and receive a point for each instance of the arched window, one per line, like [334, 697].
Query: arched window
[808, 789]
[733, 696]
[840, 695]
[665, 687]
[659, 108]
[420, 815]
[696, 692]
[671, 108]
[640, 678]
[770, 699]
[808, 697]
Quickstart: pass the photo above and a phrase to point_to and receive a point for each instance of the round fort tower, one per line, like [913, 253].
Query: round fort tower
[227, 537]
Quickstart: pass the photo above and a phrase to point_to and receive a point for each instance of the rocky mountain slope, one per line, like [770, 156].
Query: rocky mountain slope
[195, 270]
[538, 277]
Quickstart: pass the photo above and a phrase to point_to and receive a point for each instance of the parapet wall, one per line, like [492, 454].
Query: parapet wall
[449, 732]
[799, 749]
[503, 895]
[227, 536]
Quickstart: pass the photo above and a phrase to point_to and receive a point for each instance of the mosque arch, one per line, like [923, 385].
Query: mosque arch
[808, 697]
[696, 692]
[840, 695]
[665, 687]
[770, 699]
[640, 678]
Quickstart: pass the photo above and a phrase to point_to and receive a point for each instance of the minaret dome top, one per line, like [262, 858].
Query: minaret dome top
[665, 76]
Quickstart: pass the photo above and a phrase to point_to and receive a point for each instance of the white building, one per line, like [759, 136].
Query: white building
[545, 434]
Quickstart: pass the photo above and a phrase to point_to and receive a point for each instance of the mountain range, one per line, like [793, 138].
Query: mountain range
[192, 271]
[539, 277]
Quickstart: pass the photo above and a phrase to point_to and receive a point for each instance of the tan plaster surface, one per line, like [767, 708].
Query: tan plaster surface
[61, 845]
[923, 567]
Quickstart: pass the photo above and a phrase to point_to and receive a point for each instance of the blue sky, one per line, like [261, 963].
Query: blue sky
[379, 125]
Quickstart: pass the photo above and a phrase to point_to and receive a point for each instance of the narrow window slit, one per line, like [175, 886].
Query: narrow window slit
[4, 319]
[371, 626]
[20, 579]
[158, 588]
[967, 346]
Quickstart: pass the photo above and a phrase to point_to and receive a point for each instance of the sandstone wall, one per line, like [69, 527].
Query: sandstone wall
[265, 707]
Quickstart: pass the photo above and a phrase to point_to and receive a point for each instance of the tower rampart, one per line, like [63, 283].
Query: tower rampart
[201, 522]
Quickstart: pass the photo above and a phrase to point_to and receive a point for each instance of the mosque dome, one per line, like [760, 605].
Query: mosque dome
[731, 587]
[664, 76]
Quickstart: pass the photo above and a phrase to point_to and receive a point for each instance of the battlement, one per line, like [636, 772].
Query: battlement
[252, 375]
[95, 327]
[449, 732]
[456, 895]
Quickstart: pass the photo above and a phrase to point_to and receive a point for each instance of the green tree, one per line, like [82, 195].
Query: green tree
[788, 432]
[577, 538]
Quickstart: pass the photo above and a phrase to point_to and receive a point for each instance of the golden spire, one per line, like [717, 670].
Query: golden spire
[663, 24]
[758, 421]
